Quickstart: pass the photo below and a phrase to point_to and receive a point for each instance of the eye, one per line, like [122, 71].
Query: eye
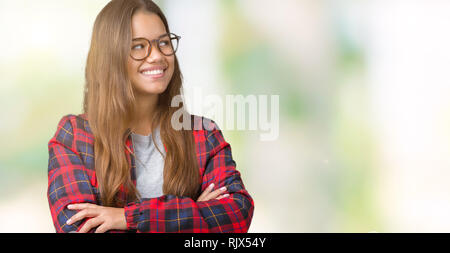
[137, 47]
[164, 43]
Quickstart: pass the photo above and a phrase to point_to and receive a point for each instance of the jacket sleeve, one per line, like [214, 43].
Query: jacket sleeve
[171, 213]
[68, 180]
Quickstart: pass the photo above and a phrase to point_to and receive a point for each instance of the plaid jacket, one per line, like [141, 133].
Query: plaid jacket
[71, 179]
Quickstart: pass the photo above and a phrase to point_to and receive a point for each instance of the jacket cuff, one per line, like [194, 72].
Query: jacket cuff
[132, 215]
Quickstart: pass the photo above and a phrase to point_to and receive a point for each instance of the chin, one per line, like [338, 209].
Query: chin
[149, 89]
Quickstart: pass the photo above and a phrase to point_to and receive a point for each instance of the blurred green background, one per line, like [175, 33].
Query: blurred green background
[364, 142]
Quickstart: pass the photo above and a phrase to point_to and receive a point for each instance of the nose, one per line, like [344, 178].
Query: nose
[155, 55]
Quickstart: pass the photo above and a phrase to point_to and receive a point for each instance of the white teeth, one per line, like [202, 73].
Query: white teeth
[153, 72]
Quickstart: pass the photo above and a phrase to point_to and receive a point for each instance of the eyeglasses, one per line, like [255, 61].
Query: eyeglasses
[167, 44]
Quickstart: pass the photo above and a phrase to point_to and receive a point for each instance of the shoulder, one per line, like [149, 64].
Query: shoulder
[74, 135]
[208, 131]
[70, 128]
[201, 123]
[71, 123]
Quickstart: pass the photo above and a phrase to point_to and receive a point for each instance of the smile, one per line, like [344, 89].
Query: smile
[155, 73]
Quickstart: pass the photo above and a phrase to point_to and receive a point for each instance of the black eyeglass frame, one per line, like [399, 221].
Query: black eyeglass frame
[157, 44]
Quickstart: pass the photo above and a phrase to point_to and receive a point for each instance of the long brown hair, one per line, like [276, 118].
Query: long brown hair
[109, 103]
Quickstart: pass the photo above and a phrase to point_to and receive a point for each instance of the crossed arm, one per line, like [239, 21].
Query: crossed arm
[110, 218]
[74, 207]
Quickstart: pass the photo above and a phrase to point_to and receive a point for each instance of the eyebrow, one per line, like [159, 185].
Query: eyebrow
[150, 39]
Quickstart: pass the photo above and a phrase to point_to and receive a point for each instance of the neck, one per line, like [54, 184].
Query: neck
[142, 118]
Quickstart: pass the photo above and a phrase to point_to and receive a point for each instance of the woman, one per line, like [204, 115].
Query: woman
[103, 173]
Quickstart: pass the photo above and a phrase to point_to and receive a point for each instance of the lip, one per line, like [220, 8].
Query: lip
[153, 77]
[152, 68]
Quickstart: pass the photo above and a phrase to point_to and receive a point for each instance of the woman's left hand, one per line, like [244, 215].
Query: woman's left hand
[104, 218]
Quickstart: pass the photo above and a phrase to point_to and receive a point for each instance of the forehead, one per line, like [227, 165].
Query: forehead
[147, 25]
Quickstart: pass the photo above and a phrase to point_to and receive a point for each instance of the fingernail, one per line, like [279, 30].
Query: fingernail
[68, 221]
[211, 185]
[69, 206]
[223, 188]
[226, 195]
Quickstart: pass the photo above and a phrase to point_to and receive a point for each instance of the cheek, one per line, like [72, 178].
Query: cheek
[171, 63]
[132, 68]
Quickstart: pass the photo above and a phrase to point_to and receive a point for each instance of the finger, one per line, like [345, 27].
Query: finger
[81, 215]
[223, 196]
[205, 192]
[81, 206]
[91, 223]
[216, 193]
[102, 228]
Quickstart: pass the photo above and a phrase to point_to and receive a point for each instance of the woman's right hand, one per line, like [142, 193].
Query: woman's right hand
[217, 194]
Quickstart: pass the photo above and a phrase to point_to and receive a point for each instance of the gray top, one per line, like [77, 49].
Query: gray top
[149, 178]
